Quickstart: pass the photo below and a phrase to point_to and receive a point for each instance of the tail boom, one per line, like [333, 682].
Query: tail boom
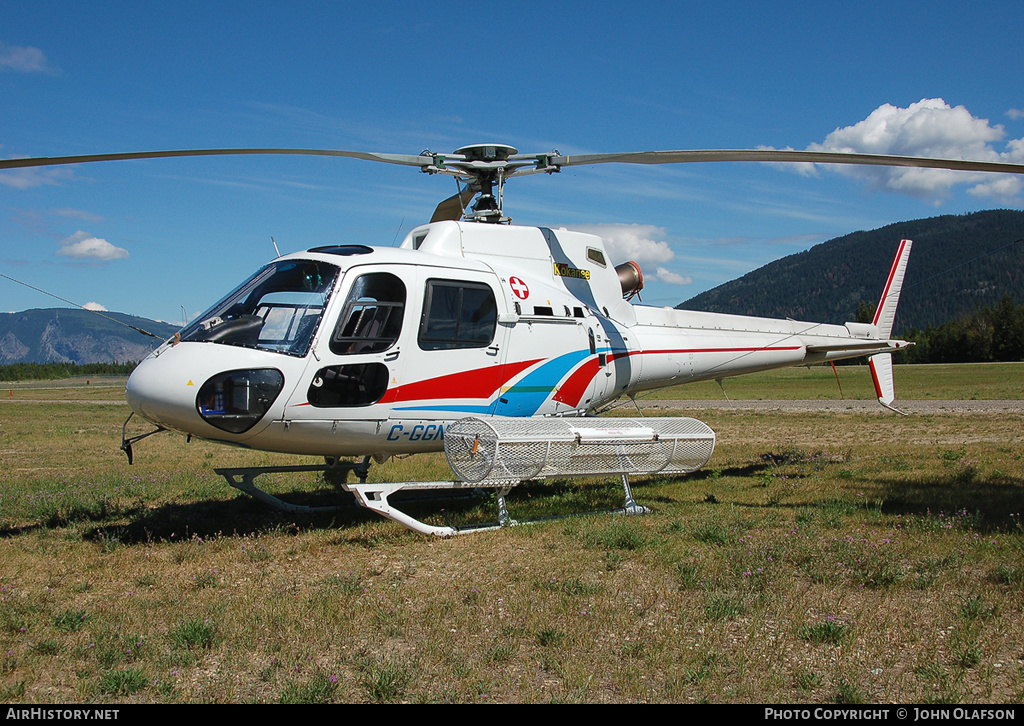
[717, 345]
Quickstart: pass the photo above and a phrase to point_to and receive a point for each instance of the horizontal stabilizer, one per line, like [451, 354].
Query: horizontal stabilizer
[843, 348]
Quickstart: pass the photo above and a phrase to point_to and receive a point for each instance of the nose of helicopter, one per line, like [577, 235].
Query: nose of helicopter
[210, 391]
[156, 394]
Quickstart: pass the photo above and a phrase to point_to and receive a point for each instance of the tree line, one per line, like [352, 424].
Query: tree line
[990, 333]
[55, 371]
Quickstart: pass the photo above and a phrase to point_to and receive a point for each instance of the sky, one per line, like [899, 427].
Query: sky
[165, 239]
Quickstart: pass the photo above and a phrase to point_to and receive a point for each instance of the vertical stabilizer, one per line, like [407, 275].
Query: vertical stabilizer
[885, 313]
[881, 373]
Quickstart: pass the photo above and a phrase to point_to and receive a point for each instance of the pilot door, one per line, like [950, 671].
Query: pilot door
[356, 358]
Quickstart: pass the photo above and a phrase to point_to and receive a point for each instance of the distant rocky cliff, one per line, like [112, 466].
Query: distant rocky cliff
[67, 335]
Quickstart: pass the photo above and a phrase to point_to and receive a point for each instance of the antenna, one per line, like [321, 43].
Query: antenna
[275, 246]
[97, 312]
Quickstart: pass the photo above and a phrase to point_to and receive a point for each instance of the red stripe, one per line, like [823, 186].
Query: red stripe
[704, 350]
[575, 386]
[888, 283]
[477, 383]
[874, 378]
[481, 383]
[571, 392]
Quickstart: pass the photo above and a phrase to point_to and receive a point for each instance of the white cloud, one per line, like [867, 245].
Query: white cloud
[636, 242]
[84, 246]
[95, 306]
[23, 60]
[933, 128]
[78, 214]
[673, 278]
[1016, 113]
[1003, 186]
[27, 178]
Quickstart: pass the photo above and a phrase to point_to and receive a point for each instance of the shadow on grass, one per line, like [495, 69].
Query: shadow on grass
[993, 502]
[243, 515]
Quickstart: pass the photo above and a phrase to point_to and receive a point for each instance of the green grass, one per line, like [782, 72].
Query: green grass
[194, 633]
[937, 382]
[121, 683]
[820, 558]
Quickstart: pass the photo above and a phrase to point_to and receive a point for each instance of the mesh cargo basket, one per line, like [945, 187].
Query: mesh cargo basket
[501, 450]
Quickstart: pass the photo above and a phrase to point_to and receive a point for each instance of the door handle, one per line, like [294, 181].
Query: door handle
[392, 355]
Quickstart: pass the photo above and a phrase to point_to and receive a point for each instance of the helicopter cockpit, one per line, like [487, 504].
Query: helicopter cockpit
[278, 309]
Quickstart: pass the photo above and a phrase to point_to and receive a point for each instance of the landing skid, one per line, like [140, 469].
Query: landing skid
[243, 479]
[374, 496]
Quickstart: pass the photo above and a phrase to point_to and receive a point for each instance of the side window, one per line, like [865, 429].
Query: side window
[372, 317]
[356, 384]
[457, 315]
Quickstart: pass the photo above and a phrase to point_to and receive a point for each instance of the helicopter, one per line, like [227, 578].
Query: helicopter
[496, 343]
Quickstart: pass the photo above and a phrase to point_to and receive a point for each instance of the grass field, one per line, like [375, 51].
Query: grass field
[981, 381]
[818, 558]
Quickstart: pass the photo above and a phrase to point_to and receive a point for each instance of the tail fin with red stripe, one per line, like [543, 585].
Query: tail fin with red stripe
[885, 314]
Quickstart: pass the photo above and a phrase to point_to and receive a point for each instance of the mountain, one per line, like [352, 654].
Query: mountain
[958, 263]
[68, 335]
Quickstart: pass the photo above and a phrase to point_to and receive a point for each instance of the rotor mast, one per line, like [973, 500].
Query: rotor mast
[486, 167]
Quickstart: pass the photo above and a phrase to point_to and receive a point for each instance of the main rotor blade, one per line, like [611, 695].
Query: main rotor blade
[546, 162]
[784, 155]
[404, 159]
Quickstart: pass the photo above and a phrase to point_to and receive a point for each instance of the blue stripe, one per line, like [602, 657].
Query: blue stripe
[527, 396]
[451, 409]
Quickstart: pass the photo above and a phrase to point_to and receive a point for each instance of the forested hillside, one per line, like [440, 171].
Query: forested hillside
[959, 264]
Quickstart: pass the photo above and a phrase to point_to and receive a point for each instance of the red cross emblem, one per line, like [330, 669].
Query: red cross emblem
[519, 288]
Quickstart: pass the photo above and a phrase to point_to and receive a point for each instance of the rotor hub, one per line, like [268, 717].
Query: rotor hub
[487, 152]
[488, 165]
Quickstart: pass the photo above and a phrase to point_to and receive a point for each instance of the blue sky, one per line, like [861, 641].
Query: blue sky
[167, 238]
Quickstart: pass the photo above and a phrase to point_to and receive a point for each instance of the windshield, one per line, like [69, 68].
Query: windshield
[277, 309]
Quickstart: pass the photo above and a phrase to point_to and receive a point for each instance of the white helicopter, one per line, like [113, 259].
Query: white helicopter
[495, 343]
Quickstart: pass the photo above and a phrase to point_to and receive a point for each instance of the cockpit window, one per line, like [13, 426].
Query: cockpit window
[277, 309]
[372, 318]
